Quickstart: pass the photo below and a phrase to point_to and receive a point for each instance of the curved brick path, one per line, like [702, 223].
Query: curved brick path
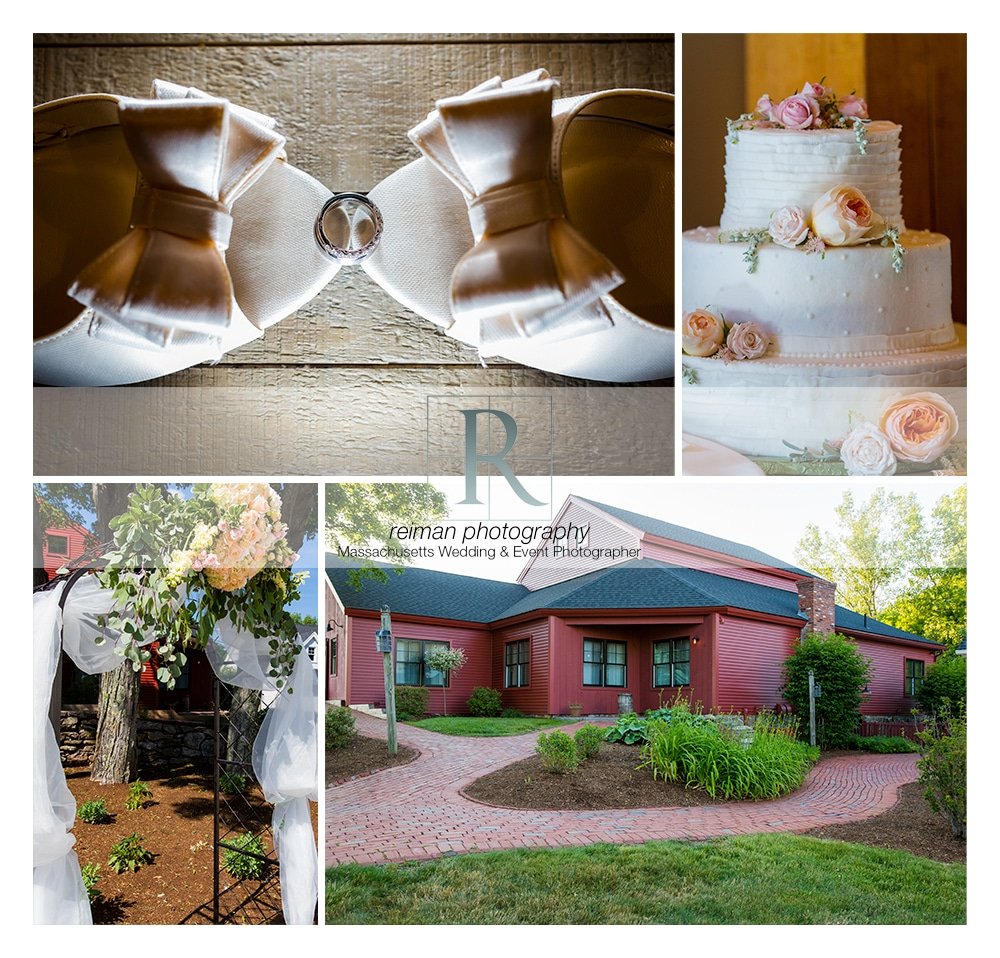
[416, 811]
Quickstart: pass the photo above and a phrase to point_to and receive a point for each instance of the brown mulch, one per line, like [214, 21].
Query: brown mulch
[361, 756]
[909, 825]
[608, 780]
[176, 825]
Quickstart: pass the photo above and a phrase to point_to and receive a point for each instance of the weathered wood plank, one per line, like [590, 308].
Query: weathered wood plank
[365, 421]
[316, 39]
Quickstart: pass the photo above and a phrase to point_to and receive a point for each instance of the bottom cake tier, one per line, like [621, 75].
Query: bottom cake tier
[784, 406]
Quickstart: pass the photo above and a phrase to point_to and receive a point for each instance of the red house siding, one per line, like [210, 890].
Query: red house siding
[533, 699]
[751, 655]
[337, 657]
[885, 689]
[638, 636]
[76, 545]
[367, 686]
[682, 555]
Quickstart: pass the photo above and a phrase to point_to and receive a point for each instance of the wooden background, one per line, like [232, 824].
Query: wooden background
[351, 367]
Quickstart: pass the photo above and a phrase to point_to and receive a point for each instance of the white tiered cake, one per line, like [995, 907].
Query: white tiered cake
[847, 328]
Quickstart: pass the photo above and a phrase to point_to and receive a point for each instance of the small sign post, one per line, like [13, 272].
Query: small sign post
[812, 707]
[383, 644]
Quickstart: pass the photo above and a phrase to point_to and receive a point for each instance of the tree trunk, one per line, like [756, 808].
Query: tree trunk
[116, 741]
[115, 744]
[244, 720]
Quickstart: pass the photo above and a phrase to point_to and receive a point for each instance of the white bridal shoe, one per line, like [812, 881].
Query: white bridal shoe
[169, 231]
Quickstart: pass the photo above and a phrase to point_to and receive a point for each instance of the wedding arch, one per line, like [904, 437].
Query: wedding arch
[211, 571]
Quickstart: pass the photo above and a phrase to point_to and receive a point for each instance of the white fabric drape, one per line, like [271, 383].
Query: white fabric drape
[284, 752]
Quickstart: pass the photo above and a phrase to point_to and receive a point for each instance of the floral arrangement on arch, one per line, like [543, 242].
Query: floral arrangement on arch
[180, 565]
[705, 333]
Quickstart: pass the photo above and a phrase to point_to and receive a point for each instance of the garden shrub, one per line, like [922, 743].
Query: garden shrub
[240, 865]
[94, 813]
[558, 752]
[944, 685]
[138, 794]
[883, 744]
[512, 713]
[339, 726]
[842, 671]
[716, 759]
[942, 767]
[484, 702]
[91, 875]
[588, 741]
[129, 854]
[232, 783]
[411, 703]
[628, 729]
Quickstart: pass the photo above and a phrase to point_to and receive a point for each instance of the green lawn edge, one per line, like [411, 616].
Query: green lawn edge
[472, 727]
[747, 879]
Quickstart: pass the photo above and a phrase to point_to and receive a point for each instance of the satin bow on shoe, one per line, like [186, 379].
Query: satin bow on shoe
[166, 281]
[530, 273]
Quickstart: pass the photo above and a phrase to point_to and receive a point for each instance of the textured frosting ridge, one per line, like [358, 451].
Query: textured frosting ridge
[850, 303]
[768, 168]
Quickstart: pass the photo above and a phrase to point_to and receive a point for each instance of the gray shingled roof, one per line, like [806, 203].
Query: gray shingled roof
[658, 527]
[637, 584]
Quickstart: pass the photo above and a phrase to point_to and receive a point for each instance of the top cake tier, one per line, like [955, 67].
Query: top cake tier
[767, 169]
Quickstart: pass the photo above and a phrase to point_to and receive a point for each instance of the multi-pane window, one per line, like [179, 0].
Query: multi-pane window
[671, 663]
[517, 663]
[604, 663]
[411, 663]
[913, 676]
[58, 545]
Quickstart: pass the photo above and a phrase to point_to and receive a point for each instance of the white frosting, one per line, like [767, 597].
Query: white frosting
[849, 303]
[767, 169]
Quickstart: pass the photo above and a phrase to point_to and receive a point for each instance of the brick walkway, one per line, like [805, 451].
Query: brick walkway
[416, 811]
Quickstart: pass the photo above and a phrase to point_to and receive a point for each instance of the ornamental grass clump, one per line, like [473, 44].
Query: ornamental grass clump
[717, 759]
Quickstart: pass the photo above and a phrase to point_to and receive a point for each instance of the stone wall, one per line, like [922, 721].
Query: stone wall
[163, 742]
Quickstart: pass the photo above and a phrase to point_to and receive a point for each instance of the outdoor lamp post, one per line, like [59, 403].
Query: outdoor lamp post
[383, 644]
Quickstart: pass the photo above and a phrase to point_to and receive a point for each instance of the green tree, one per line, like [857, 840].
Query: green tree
[368, 514]
[872, 551]
[943, 688]
[842, 672]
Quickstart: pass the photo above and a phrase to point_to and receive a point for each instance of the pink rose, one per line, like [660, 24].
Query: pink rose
[853, 107]
[798, 112]
[788, 226]
[765, 107]
[843, 217]
[919, 427]
[867, 452]
[702, 332]
[815, 90]
[747, 341]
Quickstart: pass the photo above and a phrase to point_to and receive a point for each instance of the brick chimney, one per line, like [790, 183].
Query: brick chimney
[816, 603]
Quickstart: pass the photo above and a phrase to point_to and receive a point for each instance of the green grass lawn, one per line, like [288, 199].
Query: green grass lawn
[752, 879]
[484, 727]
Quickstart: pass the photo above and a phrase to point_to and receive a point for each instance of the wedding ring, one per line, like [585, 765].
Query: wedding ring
[348, 227]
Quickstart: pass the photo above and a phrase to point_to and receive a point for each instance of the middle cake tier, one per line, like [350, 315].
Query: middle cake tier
[847, 302]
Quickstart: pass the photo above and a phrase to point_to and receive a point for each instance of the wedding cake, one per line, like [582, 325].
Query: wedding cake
[817, 327]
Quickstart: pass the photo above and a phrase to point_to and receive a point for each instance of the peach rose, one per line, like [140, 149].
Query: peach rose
[747, 341]
[797, 112]
[919, 427]
[853, 107]
[866, 452]
[843, 217]
[788, 226]
[765, 107]
[702, 332]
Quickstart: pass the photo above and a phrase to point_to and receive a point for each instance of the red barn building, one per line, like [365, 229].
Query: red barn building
[643, 606]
